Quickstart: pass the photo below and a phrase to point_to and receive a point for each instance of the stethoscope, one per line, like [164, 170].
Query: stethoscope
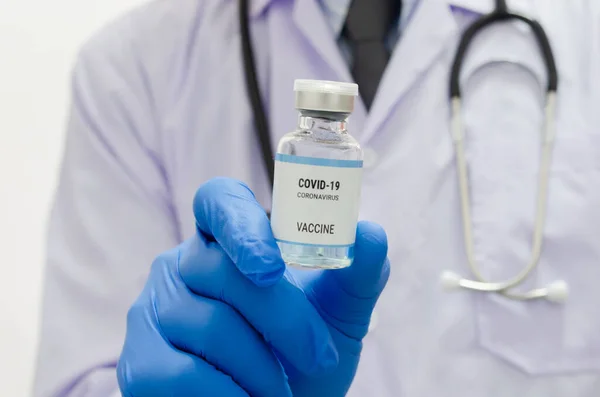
[556, 291]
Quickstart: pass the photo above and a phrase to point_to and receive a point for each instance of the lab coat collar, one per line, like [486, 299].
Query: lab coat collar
[476, 6]
[487, 6]
[336, 12]
[257, 7]
[312, 24]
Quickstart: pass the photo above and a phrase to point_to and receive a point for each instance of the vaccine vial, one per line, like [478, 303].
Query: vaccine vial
[318, 174]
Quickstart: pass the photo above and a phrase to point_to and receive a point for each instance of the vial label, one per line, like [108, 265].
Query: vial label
[316, 201]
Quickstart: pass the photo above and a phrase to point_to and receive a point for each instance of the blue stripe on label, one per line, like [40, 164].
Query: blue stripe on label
[288, 158]
[315, 245]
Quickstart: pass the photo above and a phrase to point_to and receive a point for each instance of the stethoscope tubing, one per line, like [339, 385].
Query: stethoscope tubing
[556, 290]
[261, 123]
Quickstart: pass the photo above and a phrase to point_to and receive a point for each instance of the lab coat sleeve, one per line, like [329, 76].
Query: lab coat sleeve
[111, 216]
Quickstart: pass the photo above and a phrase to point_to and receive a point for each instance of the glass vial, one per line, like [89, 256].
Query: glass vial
[318, 174]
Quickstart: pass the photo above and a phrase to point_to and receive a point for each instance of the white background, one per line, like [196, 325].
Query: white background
[38, 41]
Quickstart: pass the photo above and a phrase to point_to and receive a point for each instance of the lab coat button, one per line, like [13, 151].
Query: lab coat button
[369, 158]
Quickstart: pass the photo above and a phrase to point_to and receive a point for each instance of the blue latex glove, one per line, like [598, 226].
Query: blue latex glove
[221, 316]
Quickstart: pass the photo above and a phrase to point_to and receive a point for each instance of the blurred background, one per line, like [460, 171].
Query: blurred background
[38, 42]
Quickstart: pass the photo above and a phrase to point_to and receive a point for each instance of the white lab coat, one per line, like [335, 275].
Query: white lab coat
[160, 106]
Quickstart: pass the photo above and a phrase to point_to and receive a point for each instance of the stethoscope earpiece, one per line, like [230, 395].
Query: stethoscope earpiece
[557, 292]
[450, 281]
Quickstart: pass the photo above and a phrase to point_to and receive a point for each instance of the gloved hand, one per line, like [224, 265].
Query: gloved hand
[220, 315]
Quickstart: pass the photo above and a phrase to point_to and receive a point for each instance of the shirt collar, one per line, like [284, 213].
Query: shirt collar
[336, 10]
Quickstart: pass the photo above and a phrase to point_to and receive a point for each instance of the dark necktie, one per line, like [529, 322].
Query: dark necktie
[366, 28]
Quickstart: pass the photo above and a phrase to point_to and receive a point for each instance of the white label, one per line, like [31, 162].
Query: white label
[316, 201]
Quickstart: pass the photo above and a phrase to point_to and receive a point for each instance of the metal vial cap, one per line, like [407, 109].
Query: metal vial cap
[325, 96]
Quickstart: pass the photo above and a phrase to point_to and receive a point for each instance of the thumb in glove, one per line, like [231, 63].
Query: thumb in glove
[345, 299]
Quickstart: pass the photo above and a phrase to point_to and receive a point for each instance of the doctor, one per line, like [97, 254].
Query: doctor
[163, 278]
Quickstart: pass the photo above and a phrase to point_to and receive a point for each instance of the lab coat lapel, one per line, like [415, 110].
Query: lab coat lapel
[430, 31]
[301, 46]
[309, 19]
